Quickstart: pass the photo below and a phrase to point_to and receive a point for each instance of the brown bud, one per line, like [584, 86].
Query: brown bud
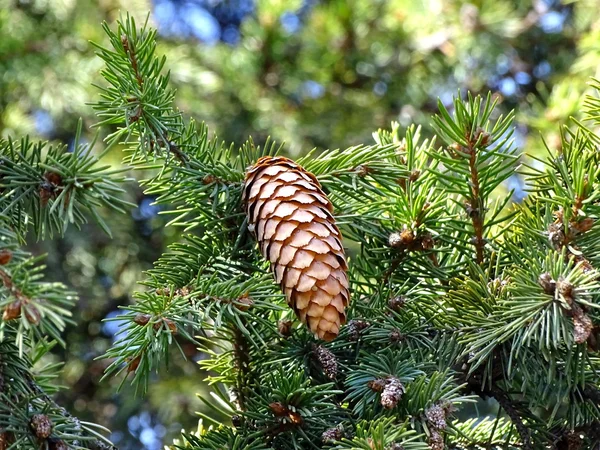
[32, 314]
[209, 179]
[583, 225]
[482, 136]
[53, 178]
[59, 445]
[162, 291]
[12, 311]
[172, 326]
[278, 408]
[361, 170]
[414, 175]
[244, 303]
[377, 385]
[407, 236]
[397, 303]
[471, 210]
[327, 360]
[5, 256]
[396, 336]
[142, 319]
[566, 289]
[547, 283]
[574, 440]
[295, 418]
[183, 292]
[41, 426]
[355, 327]
[133, 364]
[427, 241]
[455, 149]
[285, 327]
[237, 420]
[556, 234]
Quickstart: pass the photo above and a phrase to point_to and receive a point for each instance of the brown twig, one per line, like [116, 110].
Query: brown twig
[241, 352]
[505, 402]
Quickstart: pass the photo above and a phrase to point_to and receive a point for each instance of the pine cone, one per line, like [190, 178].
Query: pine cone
[293, 222]
[333, 434]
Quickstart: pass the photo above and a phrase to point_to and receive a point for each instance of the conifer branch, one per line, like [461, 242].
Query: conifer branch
[163, 140]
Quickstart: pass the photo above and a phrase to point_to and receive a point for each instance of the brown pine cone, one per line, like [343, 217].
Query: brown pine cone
[293, 223]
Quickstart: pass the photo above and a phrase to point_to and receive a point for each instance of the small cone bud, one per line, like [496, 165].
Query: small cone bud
[142, 319]
[285, 327]
[436, 440]
[12, 311]
[278, 408]
[566, 289]
[582, 327]
[396, 336]
[328, 362]
[574, 441]
[237, 420]
[244, 303]
[392, 393]
[355, 327]
[295, 418]
[397, 303]
[331, 435]
[292, 220]
[41, 426]
[5, 257]
[547, 283]
[436, 416]
[59, 445]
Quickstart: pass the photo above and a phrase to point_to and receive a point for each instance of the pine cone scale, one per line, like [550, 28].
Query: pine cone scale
[293, 223]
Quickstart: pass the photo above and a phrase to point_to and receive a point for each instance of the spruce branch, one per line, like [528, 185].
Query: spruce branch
[23, 401]
[48, 187]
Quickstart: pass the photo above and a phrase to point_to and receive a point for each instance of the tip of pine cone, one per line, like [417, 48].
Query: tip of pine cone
[327, 336]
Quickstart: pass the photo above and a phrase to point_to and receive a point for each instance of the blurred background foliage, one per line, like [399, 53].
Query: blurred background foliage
[312, 73]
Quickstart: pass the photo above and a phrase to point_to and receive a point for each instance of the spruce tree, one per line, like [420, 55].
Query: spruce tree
[460, 299]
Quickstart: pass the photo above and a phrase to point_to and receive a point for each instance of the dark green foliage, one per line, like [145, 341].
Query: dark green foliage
[44, 189]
